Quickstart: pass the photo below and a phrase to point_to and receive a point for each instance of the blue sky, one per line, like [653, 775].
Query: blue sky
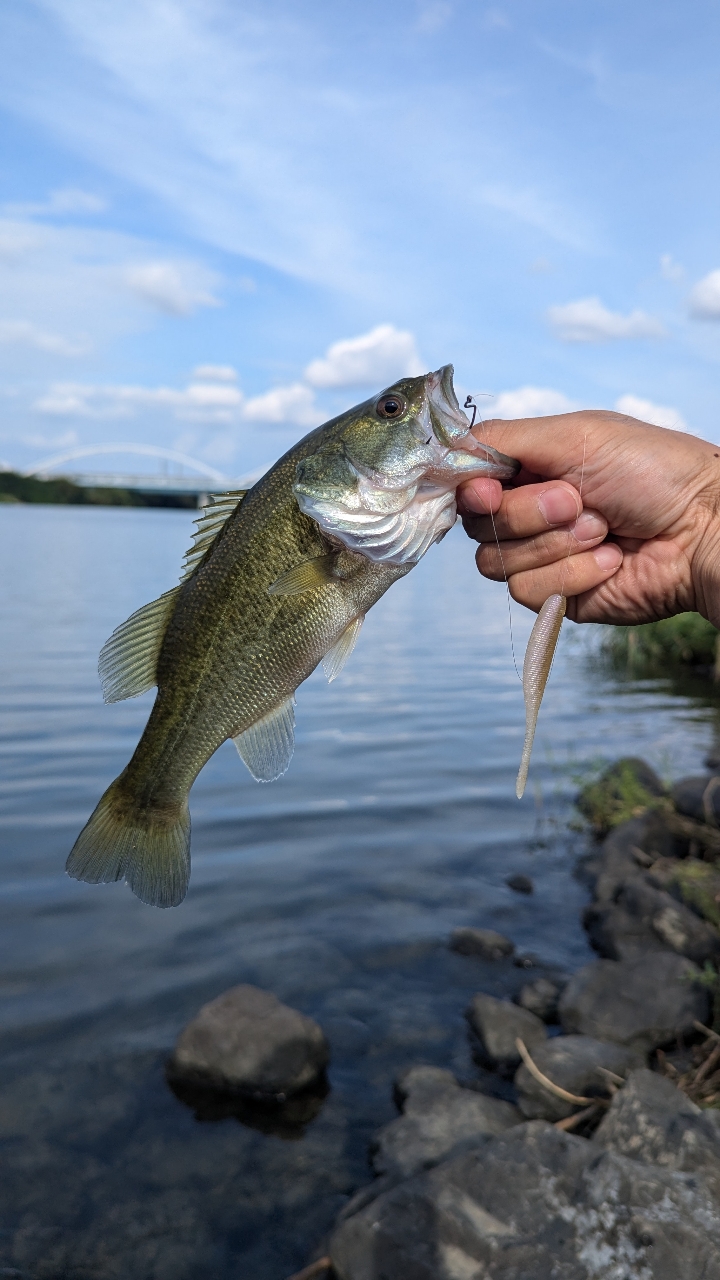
[224, 221]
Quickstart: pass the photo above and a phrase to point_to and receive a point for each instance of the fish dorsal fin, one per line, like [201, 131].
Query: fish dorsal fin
[128, 660]
[335, 658]
[267, 746]
[305, 576]
[214, 516]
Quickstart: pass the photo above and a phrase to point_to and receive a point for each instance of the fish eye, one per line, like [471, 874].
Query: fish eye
[392, 406]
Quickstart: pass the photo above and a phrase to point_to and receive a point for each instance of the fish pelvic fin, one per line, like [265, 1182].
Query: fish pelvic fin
[267, 746]
[305, 576]
[148, 848]
[128, 660]
[337, 656]
[209, 525]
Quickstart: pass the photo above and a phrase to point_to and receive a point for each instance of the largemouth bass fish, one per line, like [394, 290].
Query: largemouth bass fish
[279, 579]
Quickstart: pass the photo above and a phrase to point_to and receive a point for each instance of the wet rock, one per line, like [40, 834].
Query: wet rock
[534, 1203]
[438, 1116]
[645, 918]
[698, 798]
[626, 851]
[485, 943]
[520, 884]
[622, 791]
[541, 998]
[575, 1063]
[247, 1041]
[644, 1002]
[650, 1120]
[497, 1024]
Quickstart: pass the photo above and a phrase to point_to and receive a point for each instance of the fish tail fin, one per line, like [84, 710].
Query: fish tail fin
[147, 847]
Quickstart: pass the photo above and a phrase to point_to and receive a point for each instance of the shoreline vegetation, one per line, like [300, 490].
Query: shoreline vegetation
[685, 643]
[15, 488]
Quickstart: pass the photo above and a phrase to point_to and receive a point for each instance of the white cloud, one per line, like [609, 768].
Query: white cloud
[669, 268]
[529, 402]
[589, 321]
[215, 372]
[661, 415]
[376, 358]
[202, 401]
[66, 200]
[178, 289]
[29, 335]
[295, 404]
[433, 15]
[705, 298]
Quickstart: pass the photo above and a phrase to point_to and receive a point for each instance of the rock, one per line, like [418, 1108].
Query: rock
[497, 1024]
[438, 1115]
[698, 798]
[534, 1204]
[574, 1063]
[520, 884]
[645, 918]
[622, 853]
[481, 942]
[622, 791]
[247, 1041]
[644, 1002]
[650, 1120]
[541, 998]
[692, 881]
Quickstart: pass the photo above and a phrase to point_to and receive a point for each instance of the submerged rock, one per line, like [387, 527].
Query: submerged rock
[575, 1063]
[438, 1116]
[481, 942]
[651, 1120]
[644, 1002]
[497, 1024]
[520, 884]
[534, 1203]
[247, 1041]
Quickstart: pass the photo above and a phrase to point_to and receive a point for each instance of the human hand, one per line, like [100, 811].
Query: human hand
[641, 542]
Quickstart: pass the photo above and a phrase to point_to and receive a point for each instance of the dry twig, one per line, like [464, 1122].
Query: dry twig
[315, 1269]
[547, 1083]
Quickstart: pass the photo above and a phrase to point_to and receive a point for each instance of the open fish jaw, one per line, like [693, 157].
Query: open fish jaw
[393, 508]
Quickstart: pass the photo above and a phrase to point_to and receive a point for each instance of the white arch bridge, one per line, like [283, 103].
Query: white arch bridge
[177, 474]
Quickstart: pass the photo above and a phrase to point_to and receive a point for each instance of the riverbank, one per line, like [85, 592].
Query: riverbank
[17, 488]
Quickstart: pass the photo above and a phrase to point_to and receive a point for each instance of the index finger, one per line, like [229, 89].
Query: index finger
[522, 513]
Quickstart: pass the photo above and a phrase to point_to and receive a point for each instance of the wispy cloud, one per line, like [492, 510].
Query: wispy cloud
[175, 288]
[215, 373]
[67, 200]
[670, 269]
[704, 301]
[30, 335]
[203, 401]
[661, 415]
[589, 321]
[375, 358]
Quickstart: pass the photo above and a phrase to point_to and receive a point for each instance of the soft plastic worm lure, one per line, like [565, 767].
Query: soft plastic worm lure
[536, 669]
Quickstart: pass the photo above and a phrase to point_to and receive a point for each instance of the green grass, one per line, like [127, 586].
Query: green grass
[622, 791]
[687, 640]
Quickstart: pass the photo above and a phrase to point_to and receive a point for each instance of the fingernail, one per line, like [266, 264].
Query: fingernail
[558, 506]
[608, 556]
[589, 526]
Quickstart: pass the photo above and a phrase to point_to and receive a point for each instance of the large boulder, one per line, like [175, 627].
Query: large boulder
[438, 1116]
[625, 789]
[247, 1041]
[577, 1064]
[628, 849]
[485, 943]
[644, 1002]
[497, 1025]
[650, 1120]
[647, 918]
[534, 1204]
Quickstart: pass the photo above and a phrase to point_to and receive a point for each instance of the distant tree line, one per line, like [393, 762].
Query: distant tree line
[17, 488]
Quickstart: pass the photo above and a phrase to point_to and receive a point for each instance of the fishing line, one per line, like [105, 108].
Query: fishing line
[470, 404]
[572, 531]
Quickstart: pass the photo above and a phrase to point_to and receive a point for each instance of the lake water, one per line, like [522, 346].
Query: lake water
[336, 888]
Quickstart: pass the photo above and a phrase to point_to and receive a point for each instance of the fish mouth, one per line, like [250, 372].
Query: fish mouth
[452, 428]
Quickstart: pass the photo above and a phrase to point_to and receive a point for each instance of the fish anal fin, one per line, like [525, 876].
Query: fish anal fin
[128, 660]
[335, 658]
[214, 517]
[305, 576]
[267, 746]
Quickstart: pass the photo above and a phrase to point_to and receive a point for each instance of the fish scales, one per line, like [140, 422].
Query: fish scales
[351, 509]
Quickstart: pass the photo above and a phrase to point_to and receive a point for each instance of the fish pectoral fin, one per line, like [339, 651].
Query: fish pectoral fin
[335, 658]
[267, 746]
[305, 576]
[128, 660]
